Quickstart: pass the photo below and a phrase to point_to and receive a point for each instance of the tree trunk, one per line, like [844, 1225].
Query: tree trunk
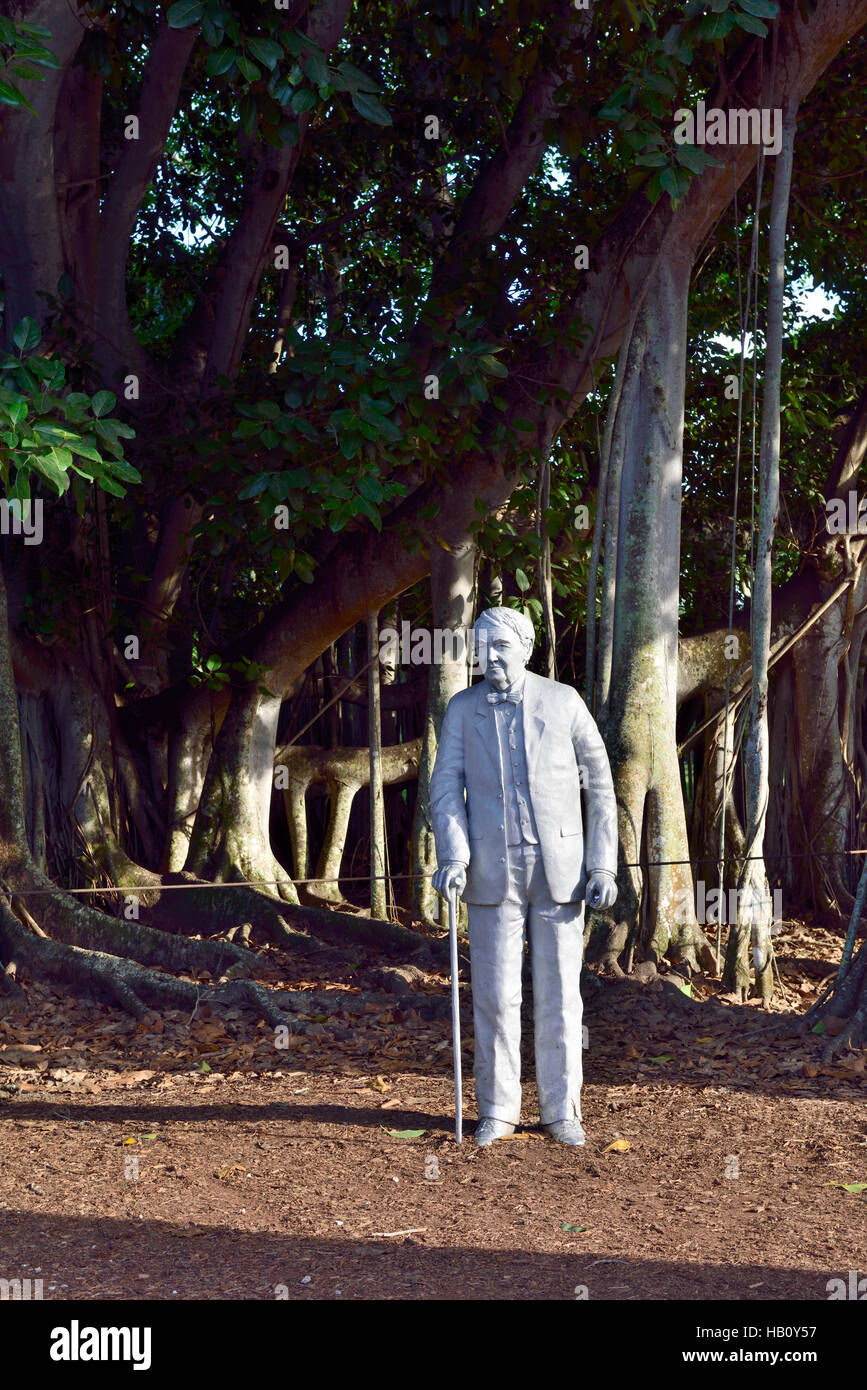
[451, 582]
[231, 840]
[639, 725]
[754, 898]
[378, 850]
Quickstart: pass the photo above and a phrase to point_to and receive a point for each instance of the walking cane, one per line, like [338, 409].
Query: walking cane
[456, 1013]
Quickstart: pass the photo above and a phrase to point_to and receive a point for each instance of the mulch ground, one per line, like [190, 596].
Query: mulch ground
[181, 1158]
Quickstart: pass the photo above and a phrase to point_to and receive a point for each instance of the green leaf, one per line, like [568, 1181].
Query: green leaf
[104, 402]
[203, 1066]
[248, 115]
[654, 159]
[694, 159]
[267, 51]
[50, 469]
[405, 1133]
[11, 96]
[657, 83]
[86, 451]
[673, 182]
[492, 366]
[662, 1058]
[717, 26]
[303, 99]
[119, 468]
[350, 445]
[220, 62]
[62, 457]
[213, 33]
[358, 80]
[819, 1028]
[252, 489]
[248, 69]
[521, 580]
[370, 108]
[27, 335]
[185, 13]
[316, 69]
[110, 484]
[855, 1187]
[752, 24]
[765, 9]
[566, 1226]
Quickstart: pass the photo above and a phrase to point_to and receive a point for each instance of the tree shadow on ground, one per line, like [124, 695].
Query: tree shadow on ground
[124, 1259]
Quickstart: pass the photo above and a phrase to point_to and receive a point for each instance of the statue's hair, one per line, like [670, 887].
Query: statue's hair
[508, 617]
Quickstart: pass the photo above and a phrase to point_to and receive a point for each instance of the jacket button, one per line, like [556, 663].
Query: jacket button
[499, 827]
[503, 860]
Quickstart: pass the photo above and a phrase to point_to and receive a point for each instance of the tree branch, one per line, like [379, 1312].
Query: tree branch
[117, 349]
[242, 265]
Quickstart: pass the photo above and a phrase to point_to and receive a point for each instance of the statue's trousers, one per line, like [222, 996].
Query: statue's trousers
[497, 936]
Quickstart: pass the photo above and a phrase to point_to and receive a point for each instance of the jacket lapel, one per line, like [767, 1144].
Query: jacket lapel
[534, 720]
[486, 725]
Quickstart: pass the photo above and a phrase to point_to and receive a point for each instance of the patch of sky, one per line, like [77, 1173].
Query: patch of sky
[811, 301]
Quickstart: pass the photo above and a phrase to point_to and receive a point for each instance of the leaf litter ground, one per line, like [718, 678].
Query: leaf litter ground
[179, 1158]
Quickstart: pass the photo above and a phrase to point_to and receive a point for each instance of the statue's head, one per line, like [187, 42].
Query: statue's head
[504, 639]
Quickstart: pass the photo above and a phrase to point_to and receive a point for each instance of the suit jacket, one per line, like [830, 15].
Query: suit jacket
[564, 751]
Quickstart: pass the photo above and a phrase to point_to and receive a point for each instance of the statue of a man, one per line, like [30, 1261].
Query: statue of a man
[522, 748]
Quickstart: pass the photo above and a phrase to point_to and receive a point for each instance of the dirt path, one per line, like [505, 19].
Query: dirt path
[282, 1179]
[179, 1160]
[292, 1180]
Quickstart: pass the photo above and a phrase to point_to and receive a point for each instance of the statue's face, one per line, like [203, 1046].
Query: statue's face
[502, 655]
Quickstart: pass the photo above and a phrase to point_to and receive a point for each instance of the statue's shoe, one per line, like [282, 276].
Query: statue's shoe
[488, 1130]
[567, 1131]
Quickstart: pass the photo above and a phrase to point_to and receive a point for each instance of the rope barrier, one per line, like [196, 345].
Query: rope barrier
[365, 878]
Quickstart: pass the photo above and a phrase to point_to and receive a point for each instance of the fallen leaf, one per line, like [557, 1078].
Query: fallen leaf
[565, 1226]
[405, 1133]
[618, 1146]
[379, 1083]
[855, 1187]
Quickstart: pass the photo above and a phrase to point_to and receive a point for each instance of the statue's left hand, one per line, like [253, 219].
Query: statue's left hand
[601, 891]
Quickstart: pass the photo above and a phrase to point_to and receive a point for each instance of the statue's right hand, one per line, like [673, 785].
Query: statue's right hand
[450, 878]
